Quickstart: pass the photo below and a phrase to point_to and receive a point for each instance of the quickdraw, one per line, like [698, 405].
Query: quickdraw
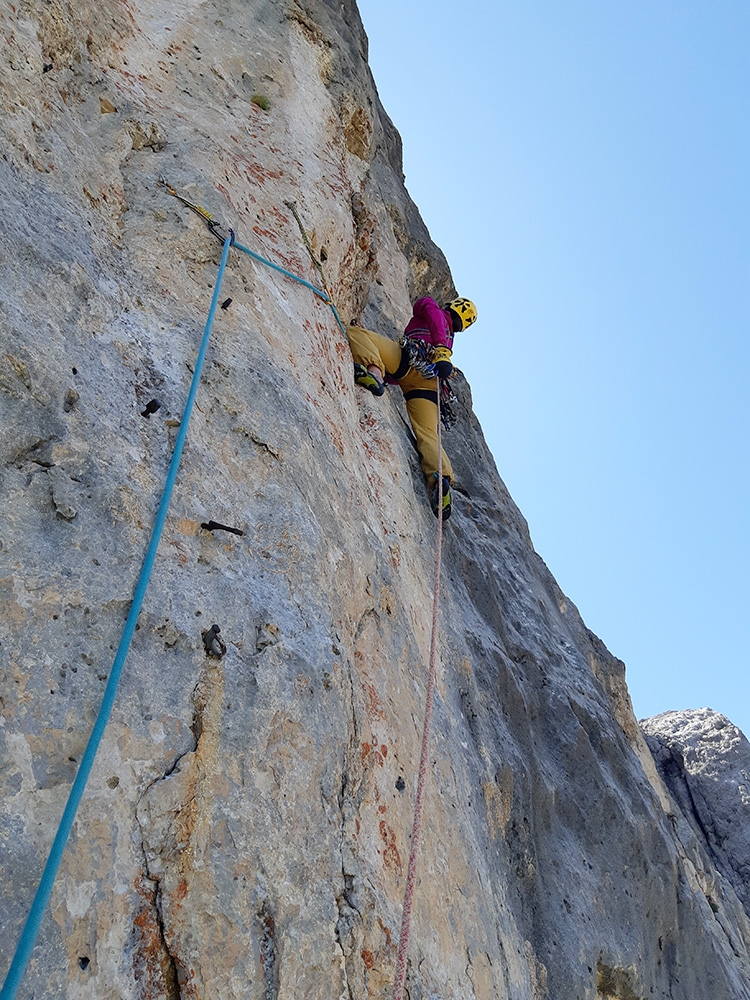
[213, 224]
[292, 206]
[214, 227]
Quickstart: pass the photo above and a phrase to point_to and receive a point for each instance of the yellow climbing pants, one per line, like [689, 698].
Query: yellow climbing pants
[420, 393]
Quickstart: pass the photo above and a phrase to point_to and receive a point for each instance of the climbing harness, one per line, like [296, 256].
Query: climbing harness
[416, 830]
[420, 355]
[44, 890]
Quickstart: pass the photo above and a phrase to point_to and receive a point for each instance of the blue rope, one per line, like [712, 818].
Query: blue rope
[295, 277]
[277, 267]
[338, 319]
[34, 920]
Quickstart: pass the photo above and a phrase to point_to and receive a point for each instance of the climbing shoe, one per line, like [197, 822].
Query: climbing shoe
[446, 498]
[368, 381]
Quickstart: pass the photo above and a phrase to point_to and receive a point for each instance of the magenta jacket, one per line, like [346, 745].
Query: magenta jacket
[430, 323]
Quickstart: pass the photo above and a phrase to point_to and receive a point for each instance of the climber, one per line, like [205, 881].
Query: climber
[417, 364]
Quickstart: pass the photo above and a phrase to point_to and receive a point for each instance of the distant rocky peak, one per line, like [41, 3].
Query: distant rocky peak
[704, 760]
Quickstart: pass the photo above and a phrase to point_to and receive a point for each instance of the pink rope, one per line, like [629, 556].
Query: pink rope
[416, 830]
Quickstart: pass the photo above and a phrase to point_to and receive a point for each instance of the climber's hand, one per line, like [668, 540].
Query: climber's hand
[443, 369]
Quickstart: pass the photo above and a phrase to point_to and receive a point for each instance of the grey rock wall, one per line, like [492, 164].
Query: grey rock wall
[705, 762]
[246, 828]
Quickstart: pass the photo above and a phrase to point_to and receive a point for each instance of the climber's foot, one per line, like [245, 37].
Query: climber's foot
[446, 497]
[365, 378]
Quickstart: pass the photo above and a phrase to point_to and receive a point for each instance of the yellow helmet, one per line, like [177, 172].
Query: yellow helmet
[464, 310]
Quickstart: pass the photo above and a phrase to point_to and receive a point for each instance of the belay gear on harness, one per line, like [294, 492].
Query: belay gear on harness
[464, 309]
[423, 357]
[420, 355]
[448, 415]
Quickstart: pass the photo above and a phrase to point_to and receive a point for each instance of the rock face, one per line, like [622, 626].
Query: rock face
[705, 762]
[246, 827]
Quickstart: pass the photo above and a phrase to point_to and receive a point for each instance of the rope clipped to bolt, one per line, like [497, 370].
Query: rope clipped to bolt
[416, 830]
[216, 228]
[317, 264]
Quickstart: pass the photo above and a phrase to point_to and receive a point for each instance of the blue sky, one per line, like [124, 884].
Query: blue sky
[585, 168]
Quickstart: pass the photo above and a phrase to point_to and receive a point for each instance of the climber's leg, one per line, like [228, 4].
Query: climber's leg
[373, 353]
[421, 405]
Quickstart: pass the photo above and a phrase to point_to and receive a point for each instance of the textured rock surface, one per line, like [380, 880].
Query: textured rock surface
[245, 830]
[705, 762]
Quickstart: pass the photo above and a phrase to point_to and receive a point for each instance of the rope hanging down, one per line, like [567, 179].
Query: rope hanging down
[44, 890]
[416, 830]
[34, 919]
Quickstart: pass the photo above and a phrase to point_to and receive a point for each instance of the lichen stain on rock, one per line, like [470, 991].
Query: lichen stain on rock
[153, 968]
[10, 609]
[334, 430]
[375, 752]
[391, 856]
[187, 526]
[613, 983]
[357, 128]
[373, 703]
[386, 933]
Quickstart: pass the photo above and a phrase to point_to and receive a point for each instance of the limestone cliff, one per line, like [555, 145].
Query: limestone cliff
[245, 830]
[705, 762]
